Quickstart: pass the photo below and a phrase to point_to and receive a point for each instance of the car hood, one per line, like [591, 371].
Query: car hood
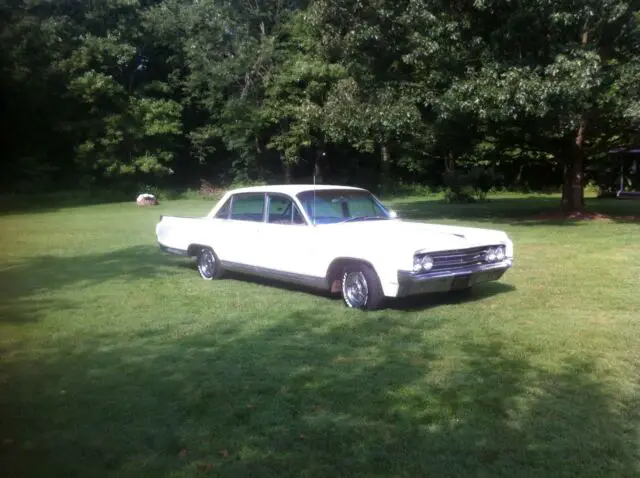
[415, 235]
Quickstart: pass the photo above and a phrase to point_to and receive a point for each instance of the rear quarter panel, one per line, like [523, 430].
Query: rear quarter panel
[180, 233]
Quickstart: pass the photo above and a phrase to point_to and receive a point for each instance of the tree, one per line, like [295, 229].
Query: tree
[29, 88]
[375, 106]
[128, 118]
[230, 52]
[296, 92]
[564, 67]
[246, 89]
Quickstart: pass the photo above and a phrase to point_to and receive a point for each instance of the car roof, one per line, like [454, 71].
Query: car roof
[291, 189]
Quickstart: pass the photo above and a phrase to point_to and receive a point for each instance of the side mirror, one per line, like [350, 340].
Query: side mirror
[393, 214]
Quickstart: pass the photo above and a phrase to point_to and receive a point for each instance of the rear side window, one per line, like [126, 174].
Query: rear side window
[248, 207]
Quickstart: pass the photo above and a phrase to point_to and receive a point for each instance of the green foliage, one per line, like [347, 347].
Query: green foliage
[296, 91]
[131, 142]
[125, 132]
[376, 91]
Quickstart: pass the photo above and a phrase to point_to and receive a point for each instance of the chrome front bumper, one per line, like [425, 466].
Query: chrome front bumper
[410, 283]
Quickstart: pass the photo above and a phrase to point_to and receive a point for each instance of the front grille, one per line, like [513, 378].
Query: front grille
[458, 259]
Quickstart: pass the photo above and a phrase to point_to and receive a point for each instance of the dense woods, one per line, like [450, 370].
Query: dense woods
[457, 94]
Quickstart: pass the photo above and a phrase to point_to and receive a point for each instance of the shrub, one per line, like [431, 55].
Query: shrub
[470, 186]
[402, 189]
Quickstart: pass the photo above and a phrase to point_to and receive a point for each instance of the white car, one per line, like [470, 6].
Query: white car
[337, 238]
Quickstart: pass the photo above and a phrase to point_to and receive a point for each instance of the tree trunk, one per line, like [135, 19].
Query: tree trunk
[449, 163]
[573, 181]
[519, 176]
[385, 163]
[287, 170]
[319, 165]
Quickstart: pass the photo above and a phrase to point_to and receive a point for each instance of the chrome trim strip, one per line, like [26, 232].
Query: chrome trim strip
[410, 276]
[458, 260]
[410, 283]
[466, 250]
[172, 250]
[299, 279]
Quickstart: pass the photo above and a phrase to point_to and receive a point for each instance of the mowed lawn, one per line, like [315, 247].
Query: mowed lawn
[118, 360]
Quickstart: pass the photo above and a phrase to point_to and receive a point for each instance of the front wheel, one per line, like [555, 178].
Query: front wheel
[208, 264]
[361, 288]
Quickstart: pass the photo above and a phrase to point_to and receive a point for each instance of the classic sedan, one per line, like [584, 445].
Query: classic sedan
[337, 238]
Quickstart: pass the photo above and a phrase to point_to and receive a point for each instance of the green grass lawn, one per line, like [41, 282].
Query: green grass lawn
[117, 360]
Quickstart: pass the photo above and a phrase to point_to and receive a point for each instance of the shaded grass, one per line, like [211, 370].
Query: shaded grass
[513, 209]
[116, 360]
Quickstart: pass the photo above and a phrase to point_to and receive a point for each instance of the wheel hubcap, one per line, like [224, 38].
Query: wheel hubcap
[354, 289]
[207, 264]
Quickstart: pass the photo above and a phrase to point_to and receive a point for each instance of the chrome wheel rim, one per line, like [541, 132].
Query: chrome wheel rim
[354, 289]
[207, 264]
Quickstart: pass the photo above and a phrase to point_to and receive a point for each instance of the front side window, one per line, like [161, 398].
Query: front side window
[248, 207]
[341, 205]
[282, 210]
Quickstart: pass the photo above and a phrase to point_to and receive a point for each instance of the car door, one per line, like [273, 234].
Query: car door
[239, 226]
[286, 237]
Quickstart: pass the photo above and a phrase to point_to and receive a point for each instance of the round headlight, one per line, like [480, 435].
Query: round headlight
[500, 253]
[417, 266]
[427, 263]
[491, 255]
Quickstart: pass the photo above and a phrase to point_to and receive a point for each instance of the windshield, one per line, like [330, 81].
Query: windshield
[340, 205]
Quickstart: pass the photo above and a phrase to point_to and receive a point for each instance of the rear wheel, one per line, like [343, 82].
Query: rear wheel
[208, 264]
[361, 288]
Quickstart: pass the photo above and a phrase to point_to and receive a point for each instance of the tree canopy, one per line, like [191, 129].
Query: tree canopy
[522, 93]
